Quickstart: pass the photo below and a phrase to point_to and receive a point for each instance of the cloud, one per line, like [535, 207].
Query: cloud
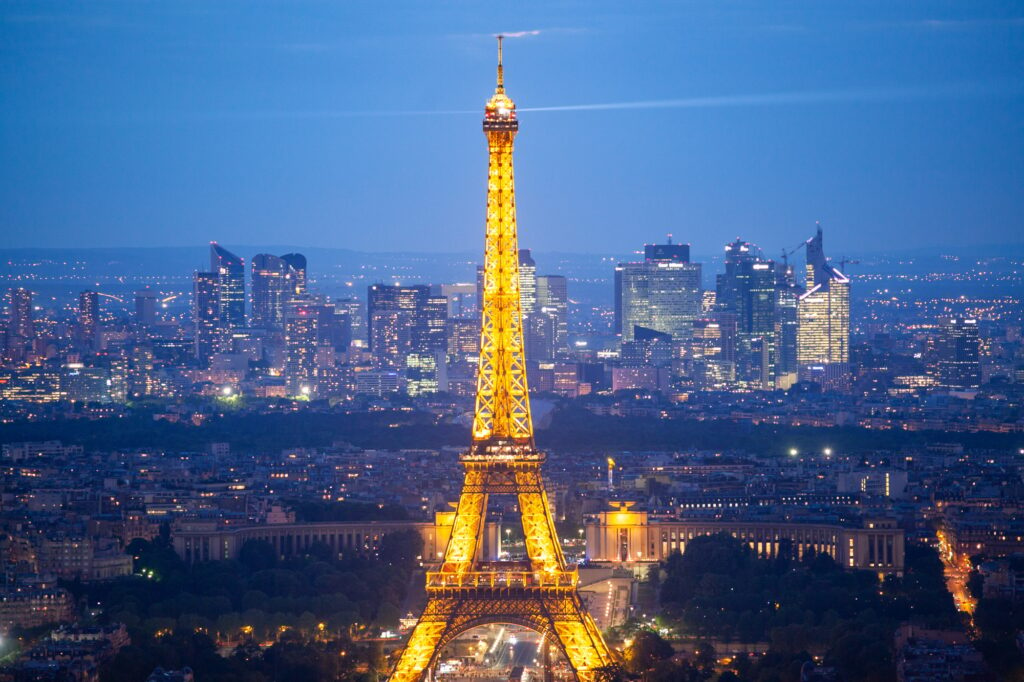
[804, 97]
[945, 24]
[796, 98]
[520, 34]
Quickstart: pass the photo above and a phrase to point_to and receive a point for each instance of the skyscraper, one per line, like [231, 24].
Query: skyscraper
[680, 253]
[88, 317]
[463, 337]
[206, 314]
[787, 294]
[706, 355]
[461, 298]
[959, 361]
[662, 293]
[230, 271]
[355, 310]
[747, 290]
[527, 282]
[297, 262]
[539, 331]
[402, 319]
[553, 299]
[145, 308]
[274, 284]
[300, 338]
[21, 321]
[426, 372]
[823, 311]
[390, 336]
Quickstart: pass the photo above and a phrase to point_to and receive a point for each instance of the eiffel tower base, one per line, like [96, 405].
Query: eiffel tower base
[560, 619]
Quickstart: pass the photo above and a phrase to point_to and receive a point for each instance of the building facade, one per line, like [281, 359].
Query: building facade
[823, 311]
[662, 293]
[627, 536]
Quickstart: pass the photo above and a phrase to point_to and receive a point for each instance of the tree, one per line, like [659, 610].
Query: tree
[401, 548]
[646, 649]
[257, 555]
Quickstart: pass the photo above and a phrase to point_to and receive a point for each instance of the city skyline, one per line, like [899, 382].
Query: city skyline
[691, 457]
[796, 122]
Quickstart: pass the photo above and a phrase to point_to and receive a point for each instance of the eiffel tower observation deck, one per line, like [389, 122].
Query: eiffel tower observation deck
[541, 592]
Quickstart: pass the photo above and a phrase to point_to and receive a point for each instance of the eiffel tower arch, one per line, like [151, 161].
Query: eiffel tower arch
[539, 593]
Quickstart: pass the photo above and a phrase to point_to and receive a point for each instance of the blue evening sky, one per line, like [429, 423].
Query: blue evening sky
[338, 124]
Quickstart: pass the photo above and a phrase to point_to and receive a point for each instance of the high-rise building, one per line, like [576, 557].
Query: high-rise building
[553, 299]
[461, 298]
[426, 372]
[539, 332]
[140, 376]
[527, 282]
[680, 253]
[300, 339]
[424, 322]
[463, 338]
[706, 356]
[479, 287]
[355, 311]
[958, 352]
[648, 348]
[297, 262]
[662, 293]
[747, 289]
[21, 320]
[145, 308]
[787, 294]
[88, 317]
[273, 286]
[230, 271]
[206, 314]
[430, 330]
[823, 311]
[390, 337]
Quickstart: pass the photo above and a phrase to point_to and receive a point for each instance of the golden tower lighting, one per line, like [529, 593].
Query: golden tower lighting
[540, 593]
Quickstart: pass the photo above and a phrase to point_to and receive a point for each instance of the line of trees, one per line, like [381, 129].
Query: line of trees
[311, 610]
[719, 589]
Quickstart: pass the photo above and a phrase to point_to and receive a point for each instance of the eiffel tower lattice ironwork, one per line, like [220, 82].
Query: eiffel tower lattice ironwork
[540, 593]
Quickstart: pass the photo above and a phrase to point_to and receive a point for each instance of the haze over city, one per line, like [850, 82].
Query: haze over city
[341, 125]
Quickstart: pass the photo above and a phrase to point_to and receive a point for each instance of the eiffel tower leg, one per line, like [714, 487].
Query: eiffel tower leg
[424, 642]
[548, 676]
[468, 525]
[538, 527]
[579, 638]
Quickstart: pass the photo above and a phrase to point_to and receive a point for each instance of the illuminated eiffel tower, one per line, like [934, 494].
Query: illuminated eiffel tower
[540, 593]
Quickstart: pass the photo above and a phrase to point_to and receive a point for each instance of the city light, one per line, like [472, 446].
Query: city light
[214, 448]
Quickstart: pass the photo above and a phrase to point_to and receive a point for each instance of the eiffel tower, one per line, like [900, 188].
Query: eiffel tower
[540, 593]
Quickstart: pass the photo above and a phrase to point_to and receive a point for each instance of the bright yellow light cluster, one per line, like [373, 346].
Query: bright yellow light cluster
[463, 594]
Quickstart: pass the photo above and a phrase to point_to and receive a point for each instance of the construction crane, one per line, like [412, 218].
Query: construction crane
[116, 298]
[786, 253]
[843, 261]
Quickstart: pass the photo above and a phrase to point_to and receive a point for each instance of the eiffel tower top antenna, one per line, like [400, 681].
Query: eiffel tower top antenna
[501, 69]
